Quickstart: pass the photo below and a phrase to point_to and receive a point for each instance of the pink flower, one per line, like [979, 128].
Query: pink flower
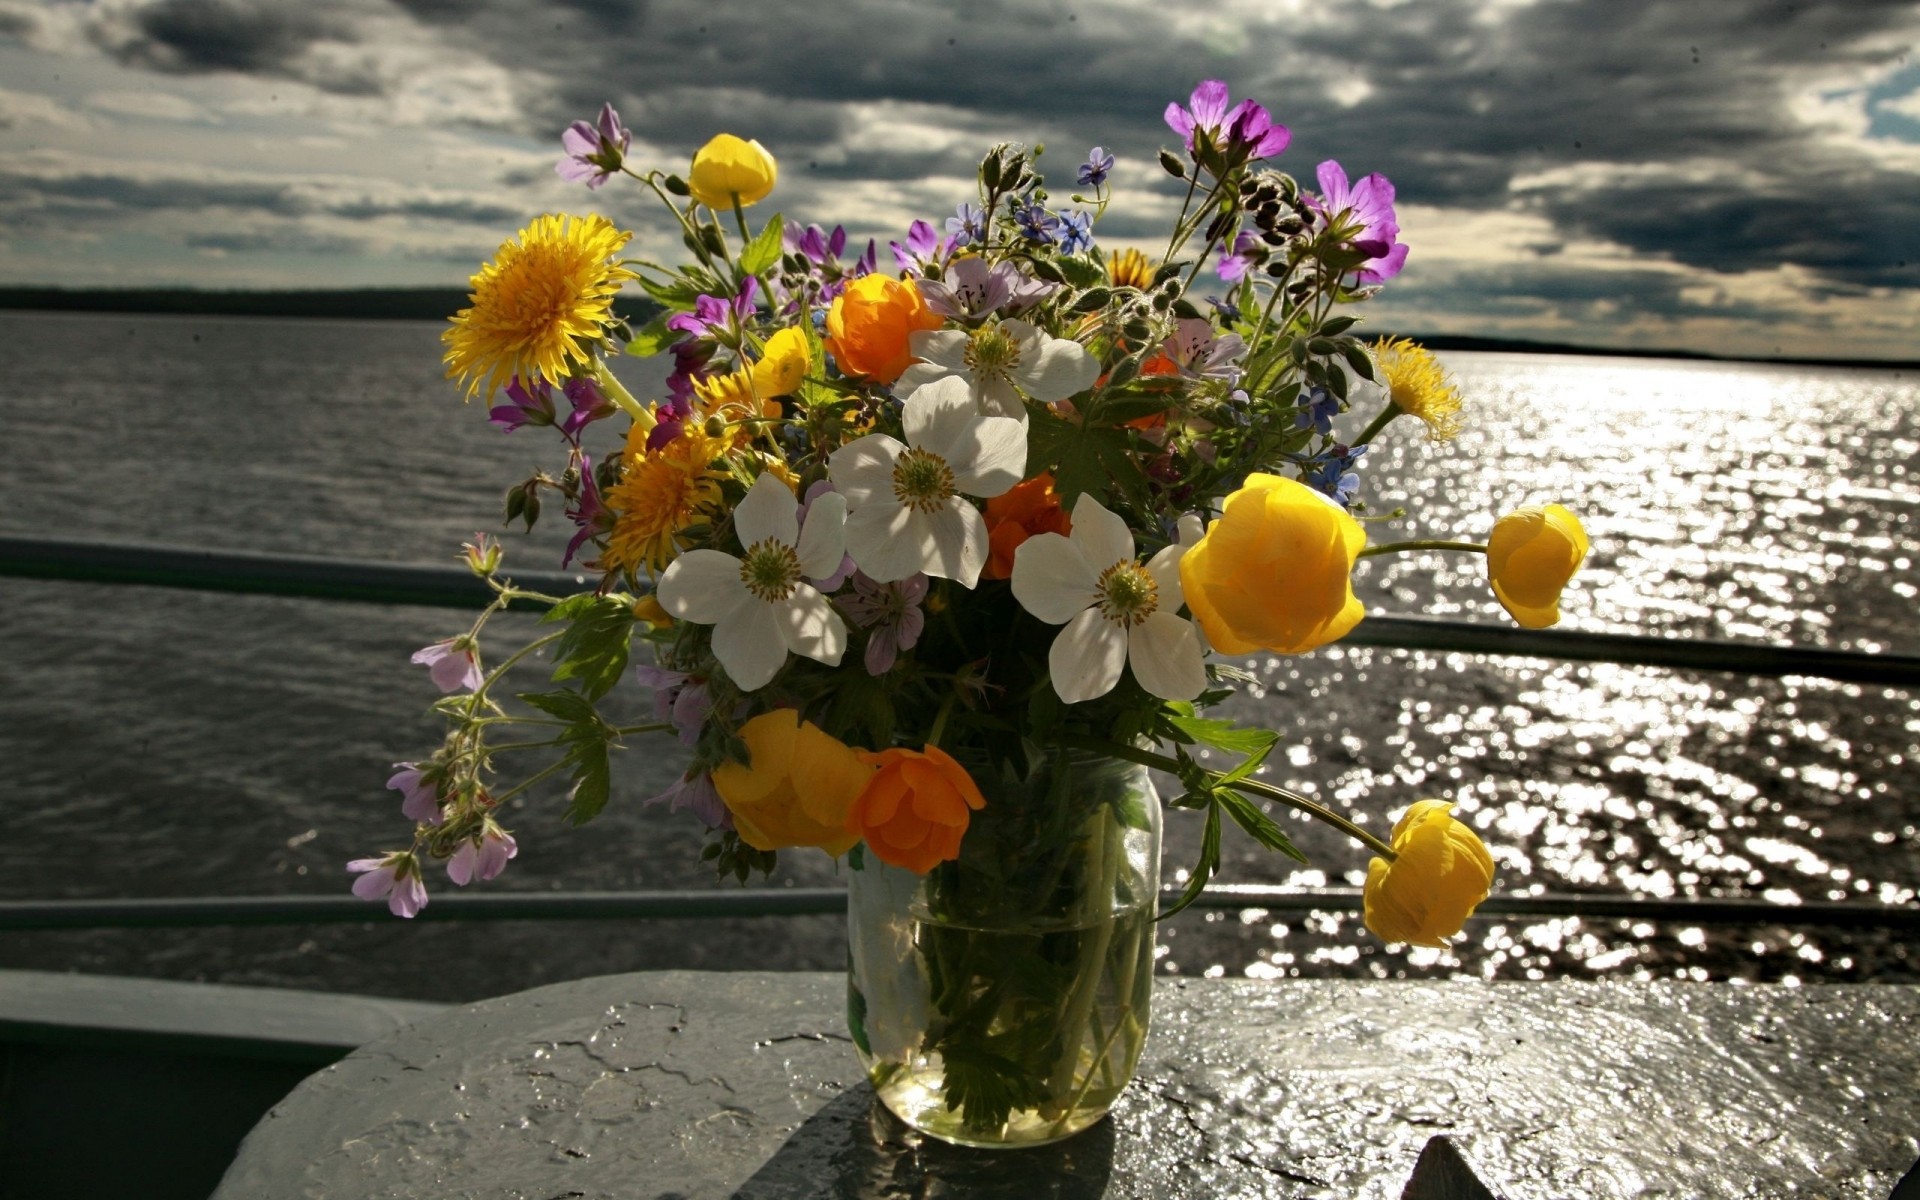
[419, 790]
[483, 857]
[892, 615]
[394, 878]
[452, 665]
[698, 796]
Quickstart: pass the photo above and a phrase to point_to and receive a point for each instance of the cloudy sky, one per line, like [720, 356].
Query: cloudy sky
[1740, 176]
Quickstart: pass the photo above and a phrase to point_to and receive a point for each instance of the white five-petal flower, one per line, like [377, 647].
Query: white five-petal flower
[1116, 611]
[998, 361]
[907, 506]
[760, 605]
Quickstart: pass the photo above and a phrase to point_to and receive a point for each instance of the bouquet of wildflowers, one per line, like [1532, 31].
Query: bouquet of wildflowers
[1014, 496]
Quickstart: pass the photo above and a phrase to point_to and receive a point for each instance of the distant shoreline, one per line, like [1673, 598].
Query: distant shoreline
[437, 304]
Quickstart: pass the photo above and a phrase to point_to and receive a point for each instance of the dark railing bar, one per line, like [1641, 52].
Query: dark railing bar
[455, 587]
[785, 902]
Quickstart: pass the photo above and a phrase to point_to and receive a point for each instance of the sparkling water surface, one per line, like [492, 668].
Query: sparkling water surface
[174, 743]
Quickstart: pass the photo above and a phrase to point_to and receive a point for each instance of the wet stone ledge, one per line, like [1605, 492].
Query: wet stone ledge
[692, 1085]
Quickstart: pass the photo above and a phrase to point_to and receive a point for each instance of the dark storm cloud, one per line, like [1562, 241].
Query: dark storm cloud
[468, 211]
[100, 192]
[221, 35]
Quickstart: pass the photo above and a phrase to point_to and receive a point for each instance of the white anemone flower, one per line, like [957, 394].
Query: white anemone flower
[1116, 610]
[760, 605]
[999, 360]
[907, 503]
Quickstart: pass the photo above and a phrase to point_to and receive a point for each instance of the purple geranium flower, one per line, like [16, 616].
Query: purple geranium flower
[1236, 262]
[590, 404]
[815, 244]
[419, 791]
[1098, 166]
[484, 857]
[1076, 232]
[1201, 353]
[678, 698]
[1244, 133]
[891, 614]
[968, 225]
[970, 288]
[698, 796]
[594, 152]
[1366, 209]
[526, 406]
[452, 665]
[394, 878]
[922, 250]
[586, 510]
[718, 317]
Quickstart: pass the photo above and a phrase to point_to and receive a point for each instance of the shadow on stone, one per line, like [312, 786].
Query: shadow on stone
[854, 1147]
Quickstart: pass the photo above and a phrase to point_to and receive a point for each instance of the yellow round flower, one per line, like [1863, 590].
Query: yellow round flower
[782, 366]
[1441, 874]
[1419, 385]
[796, 789]
[728, 167]
[1274, 571]
[870, 324]
[1532, 554]
[539, 305]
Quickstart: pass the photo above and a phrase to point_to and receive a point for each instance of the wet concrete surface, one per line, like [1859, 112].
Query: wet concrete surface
[689, 1085]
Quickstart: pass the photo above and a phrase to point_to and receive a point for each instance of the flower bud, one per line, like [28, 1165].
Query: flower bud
[729, 169]
[1441, 874]
[1531, 556]
[1172, 164]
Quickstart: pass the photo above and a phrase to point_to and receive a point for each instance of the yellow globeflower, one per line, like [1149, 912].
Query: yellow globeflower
[539, 305]
[1532, 554]
[797, 788]
[784, 364]
[1419, 385]
[728, 167]
[1274, 572]
[1442, 874]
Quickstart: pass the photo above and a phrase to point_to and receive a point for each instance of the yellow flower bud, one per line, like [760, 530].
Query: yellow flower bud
[797, 788]
[648, 608]
[1532, 554]
[1442, 874]
[784, 364]
[727, 167]
[1274, 572]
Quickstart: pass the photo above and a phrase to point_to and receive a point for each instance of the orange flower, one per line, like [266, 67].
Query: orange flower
[1017, 514]
[915, 808]
[1159, 364]
[869, 324]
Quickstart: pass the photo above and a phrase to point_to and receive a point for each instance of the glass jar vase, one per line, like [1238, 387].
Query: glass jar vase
[1001, 999]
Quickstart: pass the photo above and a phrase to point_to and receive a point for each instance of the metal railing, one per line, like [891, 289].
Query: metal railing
[454, 587]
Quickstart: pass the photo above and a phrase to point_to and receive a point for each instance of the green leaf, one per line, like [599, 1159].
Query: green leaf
[1100, 461]
[653, 337]
[1247, 765]
[1225, 735]
[764, 250]
[1205, 868]
[567, 705]
[592, 778]
[1259, 826]
[593, 651]
[681, 293]
[985, 1087]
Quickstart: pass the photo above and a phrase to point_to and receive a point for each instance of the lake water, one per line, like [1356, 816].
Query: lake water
[172, 743]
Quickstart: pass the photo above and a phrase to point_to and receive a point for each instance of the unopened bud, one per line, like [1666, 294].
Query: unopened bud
[1172, 165]
[676, 185]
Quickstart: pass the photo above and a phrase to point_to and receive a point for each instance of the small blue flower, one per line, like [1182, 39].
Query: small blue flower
[968, 225]
[1318, 408]
[1036, 223]
[1331, 472]
[1229, 313]
[1093, 172]
[1076, 232]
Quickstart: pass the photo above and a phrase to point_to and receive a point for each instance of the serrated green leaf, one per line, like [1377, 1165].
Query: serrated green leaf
[593, 651]
[764, 250]
[653, 337]
[681, 293]
[1259, 826]
[1248, 765]
[1081, 272]
[1204, 869]
[1082, 460]
[568, 706]
[1225, 735]
[592, 779]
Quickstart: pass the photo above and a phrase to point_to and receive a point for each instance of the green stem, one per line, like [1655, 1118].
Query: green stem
[940, 719]
[1380, 422]
[1421, 544]
[528, 782]
[1252, 787]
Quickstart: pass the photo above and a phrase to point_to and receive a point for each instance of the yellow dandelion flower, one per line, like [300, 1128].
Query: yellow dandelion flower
[660, 496]
[1130, 268]
[774, 465]
[539, 305]
[1419, 385]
